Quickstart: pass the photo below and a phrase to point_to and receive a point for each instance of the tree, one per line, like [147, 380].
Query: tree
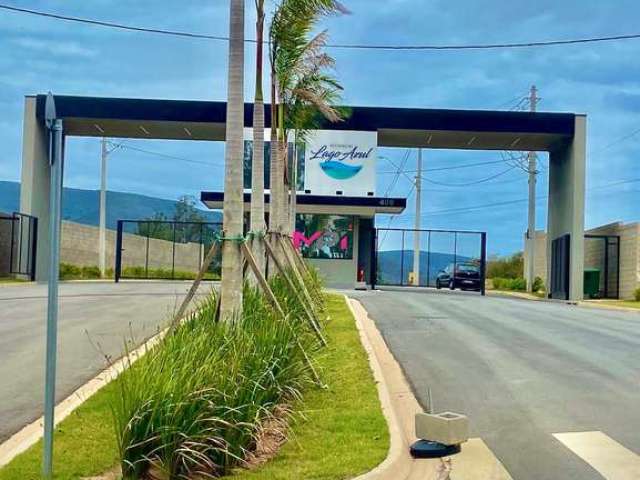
[506, 267]
[300, 86]
[257, 166]
[160, 226]
[233, 211]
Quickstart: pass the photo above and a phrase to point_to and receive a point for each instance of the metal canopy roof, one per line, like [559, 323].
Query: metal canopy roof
[306, 203]
[396, 127]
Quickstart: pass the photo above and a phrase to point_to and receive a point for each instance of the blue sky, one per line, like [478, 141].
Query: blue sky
[601, 80]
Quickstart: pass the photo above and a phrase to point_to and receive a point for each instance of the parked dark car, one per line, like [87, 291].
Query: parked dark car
[465, 276]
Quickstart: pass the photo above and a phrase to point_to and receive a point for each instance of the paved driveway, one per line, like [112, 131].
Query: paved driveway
[95, 320]
[524, 371]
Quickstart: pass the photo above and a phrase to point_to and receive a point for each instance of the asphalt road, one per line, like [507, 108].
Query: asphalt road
[520, 370]
[95, 319]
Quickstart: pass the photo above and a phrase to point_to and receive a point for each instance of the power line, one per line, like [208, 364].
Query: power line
[344, 46]
[455, 167]
[521, 200]
[476, 182]
[163, 155]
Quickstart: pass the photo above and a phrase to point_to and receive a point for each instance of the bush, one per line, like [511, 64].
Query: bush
[518, 284]
[538, 285]
[506, 267]
[164, 273]
[637, 294]
[69, 271]
[194, 405]
[91, 272]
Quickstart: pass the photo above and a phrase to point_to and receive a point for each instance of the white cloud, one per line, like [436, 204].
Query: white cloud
[55, 47]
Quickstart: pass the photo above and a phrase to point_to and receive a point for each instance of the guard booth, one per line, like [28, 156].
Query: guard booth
[562, 135]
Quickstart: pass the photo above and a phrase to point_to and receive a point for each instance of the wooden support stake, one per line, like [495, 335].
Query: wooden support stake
[307, 307]
[297, 255]
[296, 272]
[196, 284]
[276, 305]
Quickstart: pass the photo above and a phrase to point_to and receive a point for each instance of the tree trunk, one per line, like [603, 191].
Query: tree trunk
[294, 187]
[231, 289]
[257, 165]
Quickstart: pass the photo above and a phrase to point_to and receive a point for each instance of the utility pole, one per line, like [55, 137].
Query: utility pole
[103, 210]
[531, 230]
[416, 233]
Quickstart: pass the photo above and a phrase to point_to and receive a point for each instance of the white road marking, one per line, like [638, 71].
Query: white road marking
[612, 460]
[476, 461]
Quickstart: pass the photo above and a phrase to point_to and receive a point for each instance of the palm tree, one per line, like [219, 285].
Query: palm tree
[257, 165]
[231, 289]
[299, 85]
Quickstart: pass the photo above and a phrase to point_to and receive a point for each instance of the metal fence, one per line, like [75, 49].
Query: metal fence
[602, 253]
[18, 240]
[168, 250]
[439, 251]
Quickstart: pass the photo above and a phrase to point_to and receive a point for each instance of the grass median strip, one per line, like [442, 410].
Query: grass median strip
[342, 431]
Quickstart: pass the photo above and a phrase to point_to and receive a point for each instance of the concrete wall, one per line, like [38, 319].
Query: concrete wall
[594, 256]
[79, 246]
[567, 165]
[35, 182]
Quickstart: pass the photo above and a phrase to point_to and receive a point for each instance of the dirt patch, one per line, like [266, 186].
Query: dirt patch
[271, 437]
[113, 474]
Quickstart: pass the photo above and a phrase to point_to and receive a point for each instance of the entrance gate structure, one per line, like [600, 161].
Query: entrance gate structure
[562, 135]
[394, 263]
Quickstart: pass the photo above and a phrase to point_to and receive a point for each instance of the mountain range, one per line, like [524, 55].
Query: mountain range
[394, 265]
[82, 206]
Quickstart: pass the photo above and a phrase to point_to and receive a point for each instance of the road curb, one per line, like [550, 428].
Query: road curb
[399, 406]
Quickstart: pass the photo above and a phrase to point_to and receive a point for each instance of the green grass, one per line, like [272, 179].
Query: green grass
[619, 303]
[13, 280]
[343, 432]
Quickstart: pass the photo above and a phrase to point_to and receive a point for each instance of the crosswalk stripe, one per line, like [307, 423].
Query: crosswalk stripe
[477, 462]
[612, 460]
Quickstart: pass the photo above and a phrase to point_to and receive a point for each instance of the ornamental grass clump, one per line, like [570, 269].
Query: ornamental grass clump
[194, 405]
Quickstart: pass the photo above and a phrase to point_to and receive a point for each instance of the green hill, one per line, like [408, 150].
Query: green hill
[82, 206]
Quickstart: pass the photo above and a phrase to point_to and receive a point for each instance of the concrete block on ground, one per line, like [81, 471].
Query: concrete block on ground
[447, 428]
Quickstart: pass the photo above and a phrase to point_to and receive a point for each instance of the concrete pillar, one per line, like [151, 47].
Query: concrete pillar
[35, 181]
[566, 204]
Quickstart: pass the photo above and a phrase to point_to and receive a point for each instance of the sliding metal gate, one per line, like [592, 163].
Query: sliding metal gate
[18, 240]
[164, 249]
[392, 257]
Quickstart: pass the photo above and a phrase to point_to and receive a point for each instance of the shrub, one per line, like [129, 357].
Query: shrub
[538, 285]
[637, 294]
[194, 405]
[91, 272]
[506, 267]
[518, 284]
[69, 271]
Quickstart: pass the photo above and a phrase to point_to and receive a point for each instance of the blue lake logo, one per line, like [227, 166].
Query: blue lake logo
[333, 161]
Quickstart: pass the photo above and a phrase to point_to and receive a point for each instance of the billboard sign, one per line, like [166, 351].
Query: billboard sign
[341, 161]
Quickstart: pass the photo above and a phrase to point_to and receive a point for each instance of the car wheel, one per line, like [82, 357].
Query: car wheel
[438, 286]
[451, 285]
